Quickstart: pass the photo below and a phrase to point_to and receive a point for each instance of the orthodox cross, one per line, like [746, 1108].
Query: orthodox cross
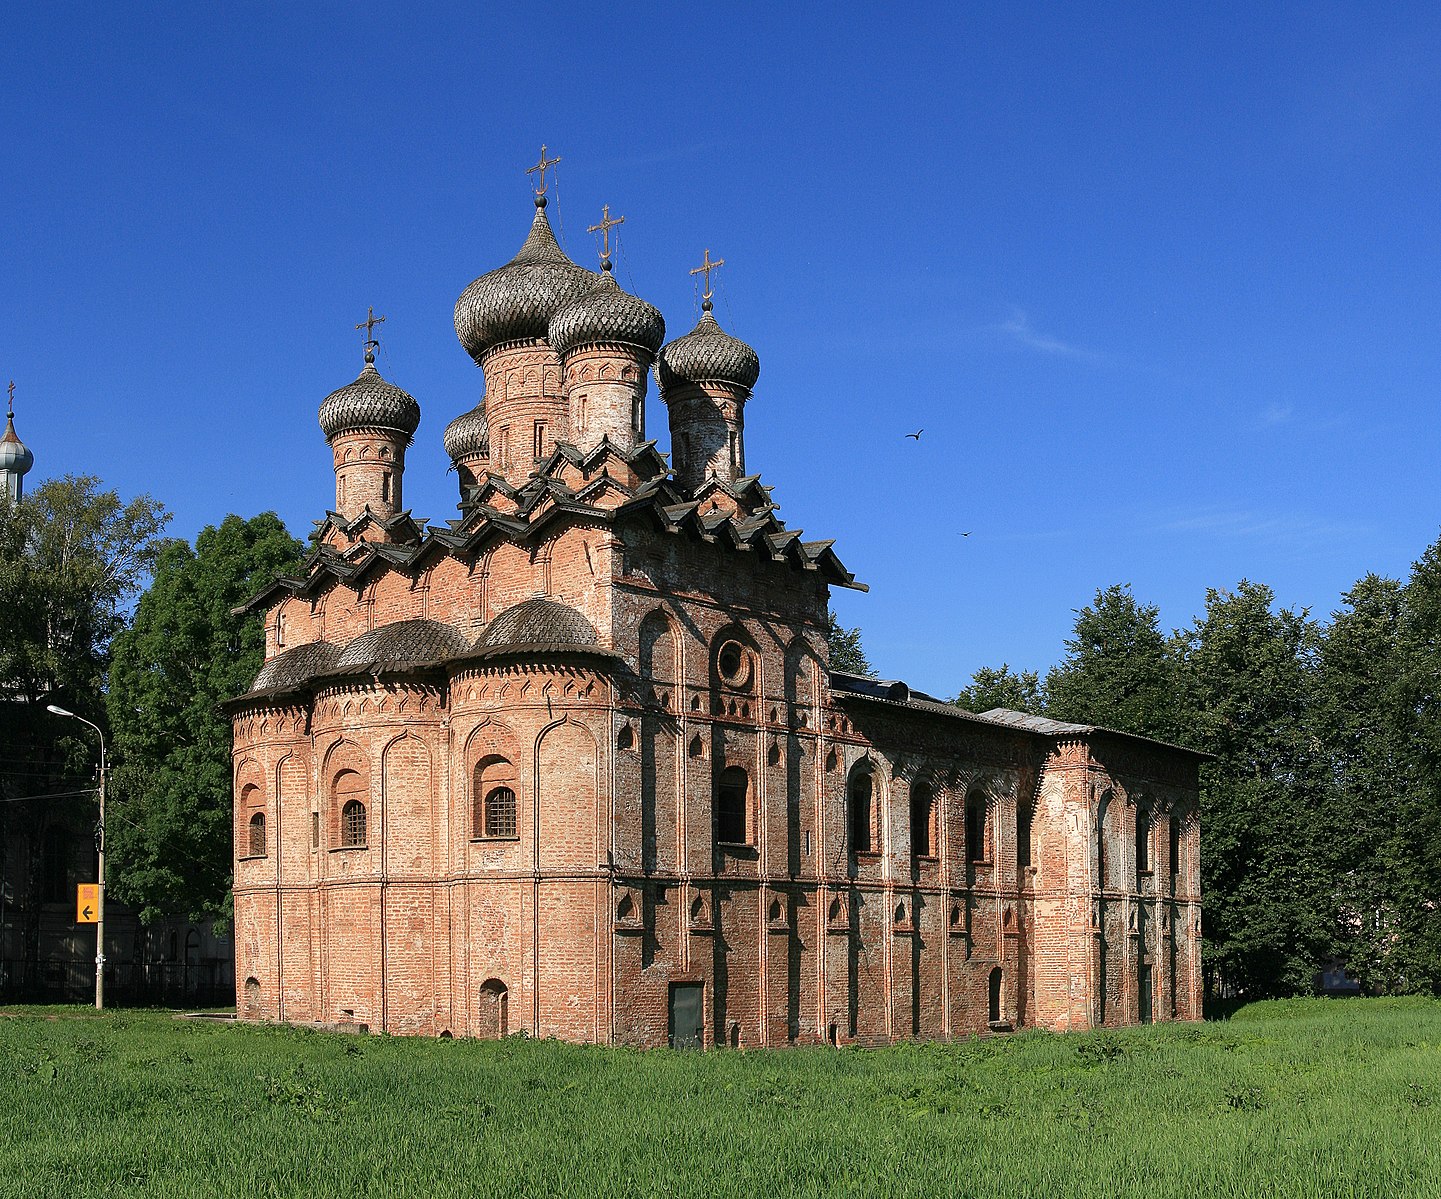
[542, 166]
[11, 390]
[604, 228]
[368, 324]
[705, 269]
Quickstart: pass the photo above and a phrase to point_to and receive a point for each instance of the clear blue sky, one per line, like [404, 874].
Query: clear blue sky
[1162, 283]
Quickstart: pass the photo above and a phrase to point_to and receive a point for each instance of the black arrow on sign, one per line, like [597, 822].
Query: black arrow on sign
[85, 911]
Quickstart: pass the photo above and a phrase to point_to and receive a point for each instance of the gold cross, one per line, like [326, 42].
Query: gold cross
[369, 323]
[605, 226]
[542, 166]
[705, 268]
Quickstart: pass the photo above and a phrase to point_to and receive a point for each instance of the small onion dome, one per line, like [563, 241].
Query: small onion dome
[517, 300]
[404, 644]
[14, 456]
[607, 314]
[368, 403]
[538, 624]
[468, 434]
[708, 354]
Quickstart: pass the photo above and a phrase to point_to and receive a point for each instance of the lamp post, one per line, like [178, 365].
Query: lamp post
[100, 856]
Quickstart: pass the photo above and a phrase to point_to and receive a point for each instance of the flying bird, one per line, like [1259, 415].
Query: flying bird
[916, 434]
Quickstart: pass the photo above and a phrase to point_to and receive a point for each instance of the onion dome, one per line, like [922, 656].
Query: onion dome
[538, 624]
[517, 300]
[468, 434]
[607, 314]
[402, 645]
[15, 457]
[296, 666]
[368, 403]
[708, 354]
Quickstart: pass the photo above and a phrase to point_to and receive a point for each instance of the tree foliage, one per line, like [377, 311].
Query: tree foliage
[847, 655]
[186, 653]
[1020, 691]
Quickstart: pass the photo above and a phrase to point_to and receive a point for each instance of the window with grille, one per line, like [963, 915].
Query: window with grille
[257, 835]
[352, 823]
[500, 813]
[730, 806]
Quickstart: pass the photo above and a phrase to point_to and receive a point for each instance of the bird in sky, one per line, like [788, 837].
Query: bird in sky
[965, 534]
[916, 434]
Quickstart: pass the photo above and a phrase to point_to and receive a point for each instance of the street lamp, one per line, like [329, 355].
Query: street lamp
[100, 854]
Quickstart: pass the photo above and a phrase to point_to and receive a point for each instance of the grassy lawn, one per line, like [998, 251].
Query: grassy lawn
[1320, 1098]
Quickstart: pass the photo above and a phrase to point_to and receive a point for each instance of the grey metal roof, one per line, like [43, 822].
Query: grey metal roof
[708, 354]
[368, 403]
[404, 644]
[296, 666]
[1035, 724]
[538, 624]
[607, 314]
[518, 299]
[468, 434]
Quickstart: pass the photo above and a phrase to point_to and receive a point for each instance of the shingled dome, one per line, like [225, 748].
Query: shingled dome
[14, 456]
[607, 314]
[708, 354]
[368, 403]
[468, 434]
[538, 625]
[297, 666]
[517, 300]
[402, 645]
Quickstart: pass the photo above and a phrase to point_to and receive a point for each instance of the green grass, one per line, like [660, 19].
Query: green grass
[1304, 1098]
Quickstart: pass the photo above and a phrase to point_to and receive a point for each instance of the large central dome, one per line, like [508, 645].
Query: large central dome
[516, 301]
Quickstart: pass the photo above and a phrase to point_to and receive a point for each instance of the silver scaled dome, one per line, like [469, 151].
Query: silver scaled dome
[368, 403]
[708, 354]
[607, 314]
[517, 300]
[468, 434]
[14, 455]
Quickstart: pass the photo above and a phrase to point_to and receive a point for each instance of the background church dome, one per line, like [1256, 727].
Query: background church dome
[368, 403]
[468, 434]
[517, 300]
[14, 455]
[708, 354]
[607, 314]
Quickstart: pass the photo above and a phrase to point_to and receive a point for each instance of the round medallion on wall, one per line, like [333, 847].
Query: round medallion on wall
[734, 664]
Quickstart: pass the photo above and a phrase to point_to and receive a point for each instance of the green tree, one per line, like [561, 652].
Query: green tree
[186, 652]
[846, 652]
[1004, 688]
[1118, 670]
[1248, 677]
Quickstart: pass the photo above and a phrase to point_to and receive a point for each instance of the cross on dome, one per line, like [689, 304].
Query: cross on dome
[11, 390]
[542, 166]
[368, 324]
[705, 269]
[604, 227]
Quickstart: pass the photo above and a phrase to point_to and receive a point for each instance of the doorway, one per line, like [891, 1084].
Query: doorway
[687, 1013]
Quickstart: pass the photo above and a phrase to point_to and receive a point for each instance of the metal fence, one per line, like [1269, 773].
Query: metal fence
[133, 984]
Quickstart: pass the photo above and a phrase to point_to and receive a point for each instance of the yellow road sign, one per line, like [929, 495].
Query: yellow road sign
[87, 903]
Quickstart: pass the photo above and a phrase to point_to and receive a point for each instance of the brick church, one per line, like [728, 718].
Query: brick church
[574, 763]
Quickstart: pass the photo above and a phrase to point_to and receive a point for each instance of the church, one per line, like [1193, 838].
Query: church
[574, 763]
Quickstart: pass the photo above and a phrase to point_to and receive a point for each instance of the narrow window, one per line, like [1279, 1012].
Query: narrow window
[994, 1012]
[975, 828]
[280, 630]
[352, 823]
[539, 447]
[730, 806]
[635, 415]
[734, 462]
[257, 835]
[385, 488]
[1143, 839]
[500, 813]
[922, 813]
[1175, 854]
[584, 404]
[314, 830]
[1101, 810]
[1023, 836]
[341, 490]
[860, 811]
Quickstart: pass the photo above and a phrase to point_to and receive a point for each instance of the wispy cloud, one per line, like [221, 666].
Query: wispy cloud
[1019, 331]
[1271, 528]
[1277, 414]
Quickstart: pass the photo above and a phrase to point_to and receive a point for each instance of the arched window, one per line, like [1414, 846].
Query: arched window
[861, 802]
[1024, 815]
[732, 789]
[352, 823]
[1101, 810]
[976, 848]
[1143, 838]
[493, 811]
[923, 814]
[256, 846]
[494, 1001]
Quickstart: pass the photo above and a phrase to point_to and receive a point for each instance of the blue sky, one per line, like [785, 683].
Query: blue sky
[1162, 283]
